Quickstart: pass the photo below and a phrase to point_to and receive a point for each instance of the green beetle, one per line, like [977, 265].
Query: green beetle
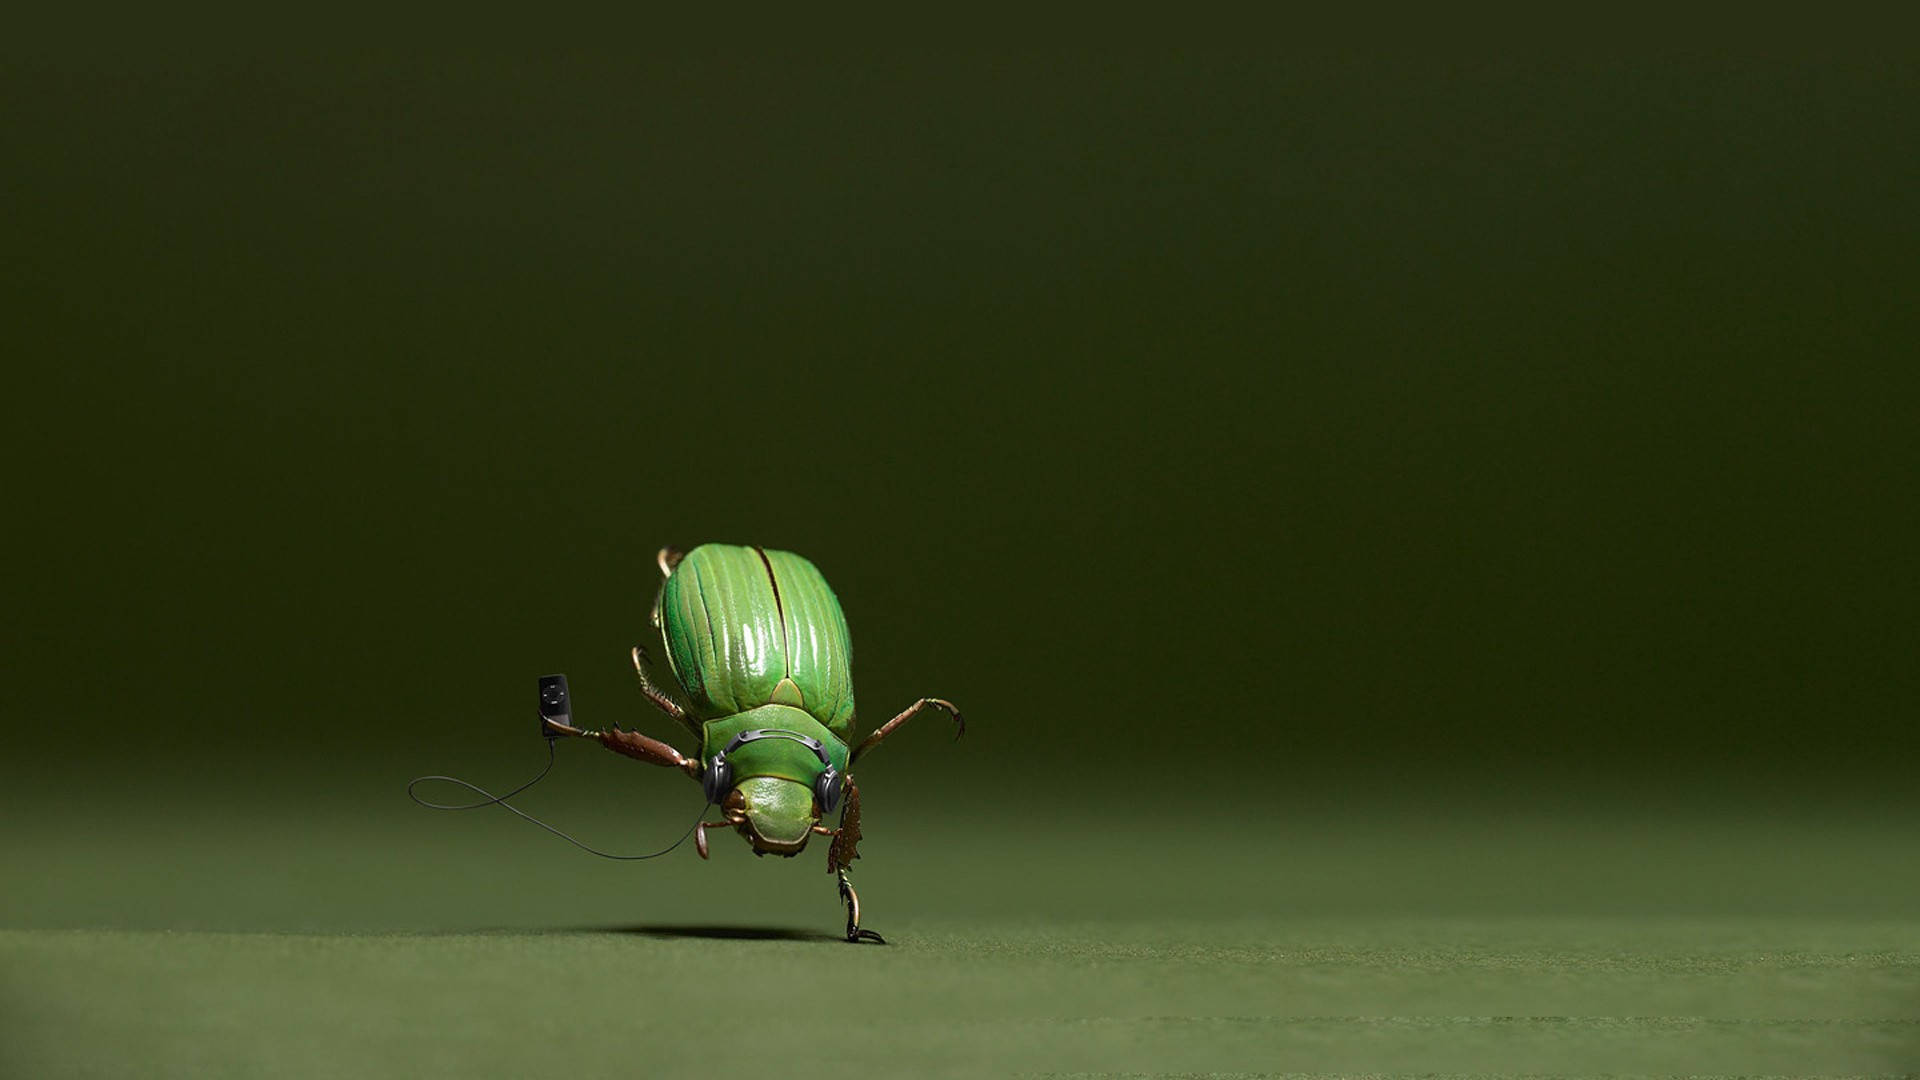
[758, 647]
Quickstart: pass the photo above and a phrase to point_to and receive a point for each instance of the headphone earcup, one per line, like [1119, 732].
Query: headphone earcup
[717, 778]
[827, 789]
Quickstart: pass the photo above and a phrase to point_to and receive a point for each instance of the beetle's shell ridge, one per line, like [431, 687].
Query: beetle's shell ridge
[746, 627]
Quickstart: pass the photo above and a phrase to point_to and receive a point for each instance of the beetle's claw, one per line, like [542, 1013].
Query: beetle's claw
[959, 722]
[855, 933]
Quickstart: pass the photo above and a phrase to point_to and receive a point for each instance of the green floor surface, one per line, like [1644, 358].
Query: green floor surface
[338, 940]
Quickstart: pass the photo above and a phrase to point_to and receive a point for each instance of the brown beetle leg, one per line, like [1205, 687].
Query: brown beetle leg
[660, 698]
[855, 933]
[668, 558]
[632, 744]
[841, 855]
[883, 730]
[645, 748]
[846, 838]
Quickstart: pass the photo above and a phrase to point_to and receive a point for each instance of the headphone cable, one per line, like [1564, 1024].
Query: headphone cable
[501, 801]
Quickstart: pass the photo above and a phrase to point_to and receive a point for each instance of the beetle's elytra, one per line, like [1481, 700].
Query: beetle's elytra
[759, 651]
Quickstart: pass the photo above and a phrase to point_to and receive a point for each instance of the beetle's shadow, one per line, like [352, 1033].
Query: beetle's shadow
[709, 932]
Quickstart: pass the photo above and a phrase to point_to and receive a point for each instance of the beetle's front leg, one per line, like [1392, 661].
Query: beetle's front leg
[846, 839]
[634, 745]
[841, 855]
[873, 740]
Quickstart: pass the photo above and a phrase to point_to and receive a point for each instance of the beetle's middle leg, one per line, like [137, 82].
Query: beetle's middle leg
[660, 698]
[960, 724]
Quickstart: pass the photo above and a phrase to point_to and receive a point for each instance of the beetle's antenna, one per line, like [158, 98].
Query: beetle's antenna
[501, 801]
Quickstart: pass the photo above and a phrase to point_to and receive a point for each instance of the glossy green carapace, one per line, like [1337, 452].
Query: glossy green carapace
[756, 639]
[747, 627]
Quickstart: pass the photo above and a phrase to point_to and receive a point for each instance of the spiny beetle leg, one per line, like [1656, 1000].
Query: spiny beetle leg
[644, 748]
[873, 740]
[855, 933]
[846, 839]
[660, 698]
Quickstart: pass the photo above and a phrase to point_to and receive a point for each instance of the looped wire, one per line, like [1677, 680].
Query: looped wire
[489, 799]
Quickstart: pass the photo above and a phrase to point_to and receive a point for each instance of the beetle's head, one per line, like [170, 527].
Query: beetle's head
[776, 816]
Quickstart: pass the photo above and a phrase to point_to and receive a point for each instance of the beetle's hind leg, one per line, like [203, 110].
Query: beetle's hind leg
[668, 557]
[855, 933]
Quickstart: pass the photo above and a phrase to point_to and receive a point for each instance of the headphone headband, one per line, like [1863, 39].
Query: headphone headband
[718, 775]
[756, 734]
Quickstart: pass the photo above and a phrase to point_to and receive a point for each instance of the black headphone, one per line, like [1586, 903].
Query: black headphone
[717, 778]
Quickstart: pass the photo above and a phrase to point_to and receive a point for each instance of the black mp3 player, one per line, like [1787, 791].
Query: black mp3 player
[555, 704]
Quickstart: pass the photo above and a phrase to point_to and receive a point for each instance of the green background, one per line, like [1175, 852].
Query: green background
[1424, 545]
